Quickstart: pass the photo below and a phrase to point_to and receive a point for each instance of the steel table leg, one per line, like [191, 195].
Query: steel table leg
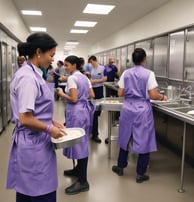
[181, 189]
[109, 132]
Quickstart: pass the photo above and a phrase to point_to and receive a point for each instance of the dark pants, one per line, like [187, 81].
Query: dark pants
[142, 162]
[95, 124]
[98, 91]
[82, 165]
[50, 197]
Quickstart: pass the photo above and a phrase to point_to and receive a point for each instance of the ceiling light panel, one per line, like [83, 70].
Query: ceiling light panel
[79, 31]
[98, 9]
[85, 23]
[72, 43]
[38, 29]
[67, 47]
[28, 12]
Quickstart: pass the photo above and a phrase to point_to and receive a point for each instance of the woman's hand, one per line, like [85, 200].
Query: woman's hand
[57, 130]
[92, 81]
[63, 78]
[165, 98]
[58, 124]
[60, 92]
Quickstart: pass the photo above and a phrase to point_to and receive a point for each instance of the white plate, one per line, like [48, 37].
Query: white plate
[191, 112]
[73, 137]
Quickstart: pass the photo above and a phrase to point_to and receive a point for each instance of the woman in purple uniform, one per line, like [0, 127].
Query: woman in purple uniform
[136, 124]
[32, 169]
[79, 113]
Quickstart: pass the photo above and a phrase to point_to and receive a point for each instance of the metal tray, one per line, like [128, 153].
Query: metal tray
[73, 137]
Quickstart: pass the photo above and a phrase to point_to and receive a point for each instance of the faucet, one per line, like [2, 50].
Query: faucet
[187, 91]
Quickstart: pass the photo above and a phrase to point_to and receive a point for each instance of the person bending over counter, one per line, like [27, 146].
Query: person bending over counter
[136, 124]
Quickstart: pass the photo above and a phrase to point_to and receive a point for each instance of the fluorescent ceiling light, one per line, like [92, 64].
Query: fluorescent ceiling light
[69, 47]
[79, 31]
[85, 23]
[28, 12]
[98, 9]
[38, 29]
[72, 43]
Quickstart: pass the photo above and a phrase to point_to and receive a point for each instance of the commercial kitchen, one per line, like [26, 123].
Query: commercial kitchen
[165, 30]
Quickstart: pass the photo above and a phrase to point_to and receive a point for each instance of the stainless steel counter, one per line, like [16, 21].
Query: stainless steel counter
[180, 111]
[108, 103]
[111, 104]
[111, 85]
[175, 109]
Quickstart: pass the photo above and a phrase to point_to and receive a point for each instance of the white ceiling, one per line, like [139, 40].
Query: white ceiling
[59, 17]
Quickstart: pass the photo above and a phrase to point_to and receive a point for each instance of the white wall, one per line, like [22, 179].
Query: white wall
[173, 15]
[10, 18]
[60, 55]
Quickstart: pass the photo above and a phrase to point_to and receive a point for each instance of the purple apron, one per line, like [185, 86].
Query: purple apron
[136, 118]
[32, 166]
[80, 114]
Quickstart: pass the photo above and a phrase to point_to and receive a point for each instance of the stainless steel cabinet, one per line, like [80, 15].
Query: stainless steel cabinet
[4, 96]
[161, 124]
[176, 56]
[1, 98]
[13, 61]
[160, 56]
[105, 60]
[118, 58]
[130, 50]
[123, 58]
[148, 47]
[11, 67]
[113, 53]
[189, 56]
[101, 59]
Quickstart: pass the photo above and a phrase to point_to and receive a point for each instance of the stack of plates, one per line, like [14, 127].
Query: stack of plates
[73, 137]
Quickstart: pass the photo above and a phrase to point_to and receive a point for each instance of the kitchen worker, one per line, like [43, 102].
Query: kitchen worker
[112, 74]
[32, 169]
[98, 77]
[136, 124]
[79, 113]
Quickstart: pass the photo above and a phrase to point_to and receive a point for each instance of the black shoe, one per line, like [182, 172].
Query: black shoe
[71, 172]
[117, 170]
[106, 140]
[96, 139]
[76, 188]
[142, 178]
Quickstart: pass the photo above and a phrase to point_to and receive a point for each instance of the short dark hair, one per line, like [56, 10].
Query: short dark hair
[93, 57]
[60, 62]
[36, 40]
[138, 56]
[74, 60]
[82, 61]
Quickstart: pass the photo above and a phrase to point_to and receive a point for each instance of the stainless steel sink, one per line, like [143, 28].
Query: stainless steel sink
[185, 110]
[175, 105]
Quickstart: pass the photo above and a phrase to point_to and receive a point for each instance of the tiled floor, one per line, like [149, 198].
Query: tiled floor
[105, 186]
